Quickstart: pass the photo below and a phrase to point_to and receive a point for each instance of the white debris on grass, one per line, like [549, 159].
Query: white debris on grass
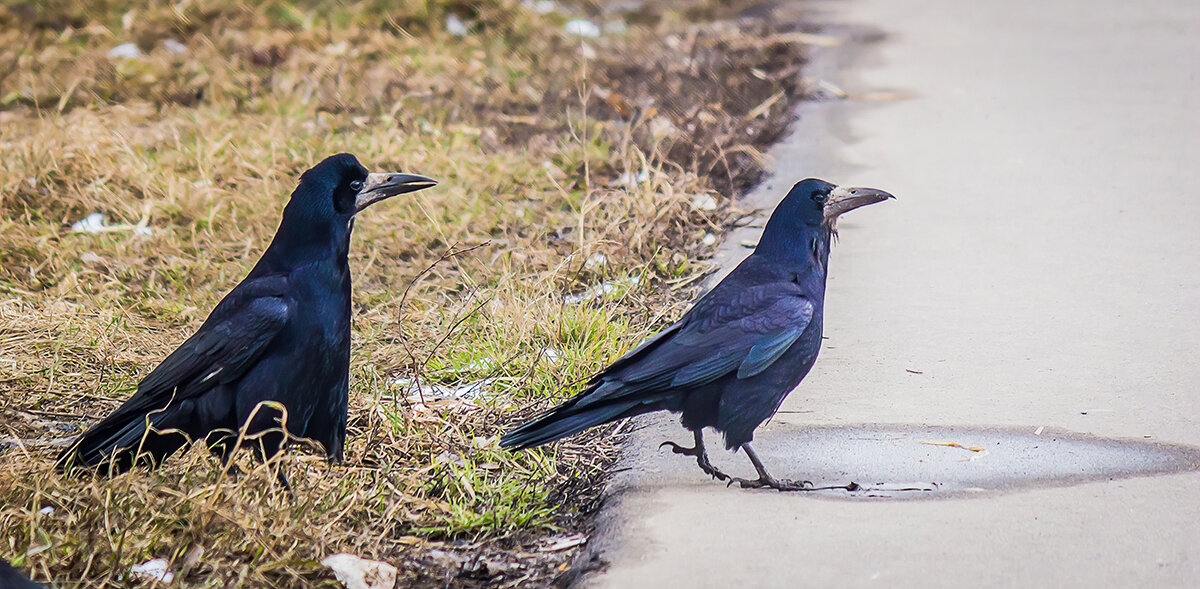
[604, 289]
[153, 570]
[455, 26]
[704, 202]
[629, 179]
[174, 46]
[359, 573]
[662, 127]
[90, 258]
[552, 355]
[428, 392]
[708, 239]
[125, 51]
[824, 89]
[95, 223]
[337, 49]
[558, 543]
[47, 510]
[582, 27]
[448, 457]
[596, 260]
[486, 363]
[540, 6]
[444, 558]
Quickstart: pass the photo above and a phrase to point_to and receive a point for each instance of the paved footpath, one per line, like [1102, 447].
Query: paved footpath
[1034, 290]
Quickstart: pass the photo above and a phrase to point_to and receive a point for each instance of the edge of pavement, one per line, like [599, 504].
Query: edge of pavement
[821, 122]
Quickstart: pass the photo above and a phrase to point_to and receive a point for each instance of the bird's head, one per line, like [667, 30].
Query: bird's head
[322, 209]
[810, 212]
[819, 203]
[346, 187]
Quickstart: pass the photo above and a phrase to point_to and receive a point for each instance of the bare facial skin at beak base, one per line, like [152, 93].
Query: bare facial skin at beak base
[844, 199]
[380, 186]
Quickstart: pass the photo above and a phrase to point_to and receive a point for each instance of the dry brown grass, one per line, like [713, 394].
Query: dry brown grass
[529, 131]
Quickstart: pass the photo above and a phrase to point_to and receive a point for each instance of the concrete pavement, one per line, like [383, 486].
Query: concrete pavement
[1034, 290]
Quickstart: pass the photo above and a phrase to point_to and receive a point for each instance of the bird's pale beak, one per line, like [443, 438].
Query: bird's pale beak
[843, 199]
[380, 186]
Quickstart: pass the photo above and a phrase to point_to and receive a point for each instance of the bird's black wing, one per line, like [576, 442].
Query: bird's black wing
[735, 328]
[232, 338]
[229, 341]
[744, 330]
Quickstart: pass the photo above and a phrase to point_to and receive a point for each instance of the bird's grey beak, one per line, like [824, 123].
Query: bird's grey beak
[843, 199]
[380, 186]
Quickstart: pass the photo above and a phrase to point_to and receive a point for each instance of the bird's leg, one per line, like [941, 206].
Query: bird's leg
[275, 464]
[269, 449]
[281, 478]
[766, 480]
[223, 446]
[700, 453]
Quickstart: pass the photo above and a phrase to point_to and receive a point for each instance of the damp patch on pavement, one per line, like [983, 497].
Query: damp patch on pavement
[931, 462]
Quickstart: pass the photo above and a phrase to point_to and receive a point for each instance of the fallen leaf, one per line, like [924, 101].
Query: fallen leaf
[618, 103]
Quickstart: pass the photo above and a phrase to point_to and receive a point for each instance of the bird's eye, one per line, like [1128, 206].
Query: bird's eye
[820, 197]
[356, 185]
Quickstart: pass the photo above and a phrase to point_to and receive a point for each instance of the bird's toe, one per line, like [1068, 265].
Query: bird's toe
[746, 483]
[676, 448]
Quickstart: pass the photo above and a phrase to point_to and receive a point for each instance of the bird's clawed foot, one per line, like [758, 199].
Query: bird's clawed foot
[765, 480]
[771, 482]
[676, 448]
[701, 456]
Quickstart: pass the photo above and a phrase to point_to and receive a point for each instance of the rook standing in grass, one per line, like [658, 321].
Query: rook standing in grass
[732, 358]
[279, 340]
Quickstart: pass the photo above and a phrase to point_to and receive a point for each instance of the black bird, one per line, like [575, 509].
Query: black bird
[732, 358]
[274, 352]
[11, 578]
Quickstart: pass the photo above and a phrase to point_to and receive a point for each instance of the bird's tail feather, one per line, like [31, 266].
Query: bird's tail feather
[566, 420]
[113, 444]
